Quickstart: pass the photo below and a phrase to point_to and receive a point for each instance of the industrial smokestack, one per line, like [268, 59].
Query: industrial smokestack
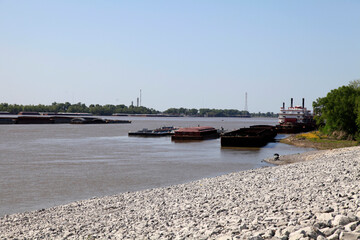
[303, 103]
[292, 102]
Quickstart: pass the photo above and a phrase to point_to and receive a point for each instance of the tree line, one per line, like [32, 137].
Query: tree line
[207, 112]
[338, 113]
[95, 109]
[109, 109]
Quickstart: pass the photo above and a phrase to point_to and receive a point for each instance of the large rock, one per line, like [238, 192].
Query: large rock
[225, 237]
[341, 220]
[328, 231]
[351, 226]
[320, 237]
[297, 235]
[349, 236]
[324, 218]
[310, 232]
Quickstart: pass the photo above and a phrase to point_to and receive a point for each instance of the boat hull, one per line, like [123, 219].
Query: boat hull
[255, 136]
[189, 137]
[294, 128]
[195, 133]
[159, 132]
[233, 141]
[150, 134]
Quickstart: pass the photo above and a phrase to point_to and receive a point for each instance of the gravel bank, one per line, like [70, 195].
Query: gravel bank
[300, 157]
[317, 199]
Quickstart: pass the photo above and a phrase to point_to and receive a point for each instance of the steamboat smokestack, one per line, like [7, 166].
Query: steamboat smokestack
[283, 105]
[303, 103]
[292, 102]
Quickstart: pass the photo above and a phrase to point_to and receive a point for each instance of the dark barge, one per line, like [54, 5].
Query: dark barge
[57, 119]
[33, 120]
[255, 136]
[291, 128]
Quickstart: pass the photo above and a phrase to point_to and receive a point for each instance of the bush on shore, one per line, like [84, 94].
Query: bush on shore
[338, 114]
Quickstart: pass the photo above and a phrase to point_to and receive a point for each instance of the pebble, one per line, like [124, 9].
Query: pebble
[313, 199]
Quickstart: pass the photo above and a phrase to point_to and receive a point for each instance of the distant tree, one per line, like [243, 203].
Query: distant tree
[203, 111]
[97, 109]
[78, 108]
[193, 112]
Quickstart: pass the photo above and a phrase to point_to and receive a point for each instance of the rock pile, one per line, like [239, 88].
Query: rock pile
[318, 199]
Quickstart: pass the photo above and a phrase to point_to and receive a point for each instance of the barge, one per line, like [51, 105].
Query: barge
[158, 132]
[255, 136]
[195, 133]
[57, 119]
[268, 127]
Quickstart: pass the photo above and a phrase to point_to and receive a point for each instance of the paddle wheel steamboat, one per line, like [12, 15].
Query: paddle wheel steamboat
[295, 119]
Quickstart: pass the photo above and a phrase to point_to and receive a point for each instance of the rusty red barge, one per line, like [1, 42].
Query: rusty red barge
[195, 133]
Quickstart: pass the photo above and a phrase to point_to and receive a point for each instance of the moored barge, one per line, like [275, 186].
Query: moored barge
[195, 133]
[255, 136]
[56, 119]
[158, 132]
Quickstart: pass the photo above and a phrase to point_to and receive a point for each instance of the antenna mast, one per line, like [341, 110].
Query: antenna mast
[140, 97]
[246, 104]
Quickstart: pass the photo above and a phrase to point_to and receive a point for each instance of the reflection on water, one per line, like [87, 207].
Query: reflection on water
[47, 165]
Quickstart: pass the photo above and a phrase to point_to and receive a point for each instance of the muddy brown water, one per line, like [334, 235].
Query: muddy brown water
[52, 164]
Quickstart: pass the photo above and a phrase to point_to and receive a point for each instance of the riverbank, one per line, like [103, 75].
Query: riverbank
[317, 140]
[317, 198]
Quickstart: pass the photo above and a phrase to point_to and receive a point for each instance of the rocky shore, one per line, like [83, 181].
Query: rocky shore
[300, 157]
[314, 199]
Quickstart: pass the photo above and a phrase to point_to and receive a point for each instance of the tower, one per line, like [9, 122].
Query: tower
[246, 104]
[140, 97]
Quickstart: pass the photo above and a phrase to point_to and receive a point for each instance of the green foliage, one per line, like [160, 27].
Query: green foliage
[207, 112]
[110, 109]
[339, 110]
[76, 108]
[13, 109]
[268, 115]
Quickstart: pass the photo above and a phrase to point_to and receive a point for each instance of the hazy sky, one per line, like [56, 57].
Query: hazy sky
[192, 54]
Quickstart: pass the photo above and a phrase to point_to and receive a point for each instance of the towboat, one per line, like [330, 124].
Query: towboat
[295, 119]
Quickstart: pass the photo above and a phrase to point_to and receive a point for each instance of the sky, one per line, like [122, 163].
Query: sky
[188, 53]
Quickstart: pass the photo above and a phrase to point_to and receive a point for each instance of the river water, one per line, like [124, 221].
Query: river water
[48, 165]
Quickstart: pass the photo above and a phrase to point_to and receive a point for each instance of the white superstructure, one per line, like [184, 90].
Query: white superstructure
[295, 114]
